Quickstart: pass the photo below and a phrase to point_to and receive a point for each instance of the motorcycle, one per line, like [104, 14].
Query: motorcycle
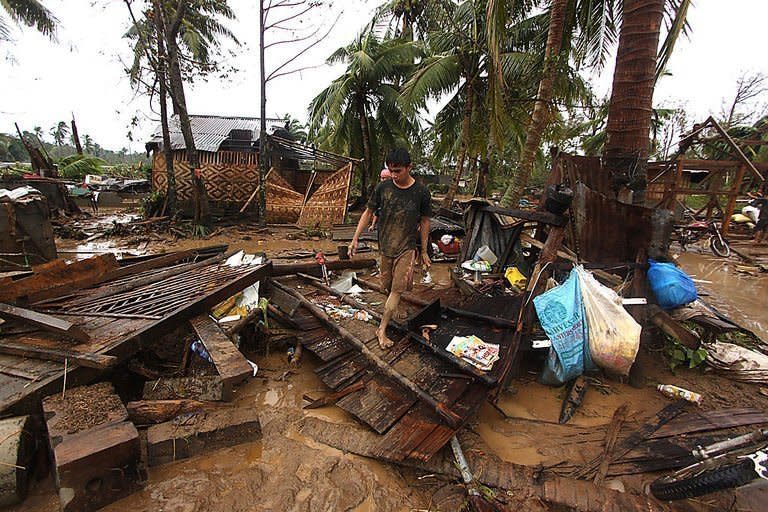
[723, 465]
[699, 229]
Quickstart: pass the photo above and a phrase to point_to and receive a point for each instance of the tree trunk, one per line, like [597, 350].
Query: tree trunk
[170, 174]
[365, 167]
[465, 126]
[541, 108]
[631, 106]
[202, 213]
[76, 137]
[484, 172]
[263, 160]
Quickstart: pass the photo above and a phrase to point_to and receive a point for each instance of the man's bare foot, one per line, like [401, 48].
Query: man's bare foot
[384, 342]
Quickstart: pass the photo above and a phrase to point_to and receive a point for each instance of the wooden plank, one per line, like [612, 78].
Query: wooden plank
[89, 360]
[672, 327]
[611, 436]
[44, 321]
[145, 412]
[96, 452]
[703, 421]
[175, 440]
[57, 280]
[230, 363]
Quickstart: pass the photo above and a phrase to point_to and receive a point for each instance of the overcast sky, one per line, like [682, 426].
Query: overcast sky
[43, 82]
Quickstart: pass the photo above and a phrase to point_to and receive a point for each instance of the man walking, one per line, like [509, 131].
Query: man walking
[405, 207]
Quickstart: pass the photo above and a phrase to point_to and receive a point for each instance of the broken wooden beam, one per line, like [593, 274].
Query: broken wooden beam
[450, 417]
[87, 359]
[17, 446]
[230, 363]
[146, 412]
[332, 398]
[96, 451]
[672, 327]
[196, 388]
[198, 433]
[292, 268]
[469, 369]
[408, 297]
[611, 436]
[46, 322]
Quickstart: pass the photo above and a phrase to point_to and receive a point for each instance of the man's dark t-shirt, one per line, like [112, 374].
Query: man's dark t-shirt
[400, 211]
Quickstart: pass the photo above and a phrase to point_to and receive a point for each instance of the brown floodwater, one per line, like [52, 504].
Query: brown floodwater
[741, 297]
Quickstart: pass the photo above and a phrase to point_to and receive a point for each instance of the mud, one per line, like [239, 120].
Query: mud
[287, 471]
[739, 296]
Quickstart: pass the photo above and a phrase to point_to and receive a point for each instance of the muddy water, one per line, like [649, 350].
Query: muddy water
[739, 296]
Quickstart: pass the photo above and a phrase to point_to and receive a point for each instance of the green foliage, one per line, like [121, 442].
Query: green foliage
[31, 13]
[151, 204]
[679, 355]
[77, 166]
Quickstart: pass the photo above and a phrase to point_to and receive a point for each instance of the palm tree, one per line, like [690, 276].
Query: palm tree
[60, 132]
[361, 105]
[38, 131]
[31, 13]
[88, 144]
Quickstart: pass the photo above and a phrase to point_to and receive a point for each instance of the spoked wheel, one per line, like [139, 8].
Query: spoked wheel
[697, 480]
[719, 246]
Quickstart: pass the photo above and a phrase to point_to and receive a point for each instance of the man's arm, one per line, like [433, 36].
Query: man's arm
[365, 219]
[424, 230]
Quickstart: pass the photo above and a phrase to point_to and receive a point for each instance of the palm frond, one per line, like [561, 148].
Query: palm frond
[437, 75]
[676, 13]
[32, 14]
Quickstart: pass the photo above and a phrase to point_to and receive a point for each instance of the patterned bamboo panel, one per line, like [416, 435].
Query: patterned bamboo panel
[283, 202]
[328, 205]
[229, 176]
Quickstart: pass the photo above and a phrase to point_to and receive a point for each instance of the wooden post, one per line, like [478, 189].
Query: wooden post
[453, 419]
[732, 199]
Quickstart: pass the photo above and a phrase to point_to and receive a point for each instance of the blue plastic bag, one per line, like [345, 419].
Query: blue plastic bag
[672, 287]
[561, 314]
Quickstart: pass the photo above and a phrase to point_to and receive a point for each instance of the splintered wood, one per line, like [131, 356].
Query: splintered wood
[96, 450]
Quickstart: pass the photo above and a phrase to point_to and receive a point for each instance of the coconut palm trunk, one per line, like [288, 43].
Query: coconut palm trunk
[541, 109]
[365, 168]
[202, 214]
[170, 194]
[631, 106]
[465, 127]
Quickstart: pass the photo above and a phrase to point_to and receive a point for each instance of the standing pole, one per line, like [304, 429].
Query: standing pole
[262, 204]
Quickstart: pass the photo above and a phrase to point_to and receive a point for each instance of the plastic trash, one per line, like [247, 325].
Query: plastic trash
[672, 287]
[198, 348]
[614, 336]
[561, 314]
[515, 277]
[677, 393]
[485, 253]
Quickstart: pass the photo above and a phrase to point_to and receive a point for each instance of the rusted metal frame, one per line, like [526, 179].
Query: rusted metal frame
[441, 409]
[95, 314]
[123, 347]
[543, 217]
[734, 193]
[150, 295]
[421, 340]
[106, 290]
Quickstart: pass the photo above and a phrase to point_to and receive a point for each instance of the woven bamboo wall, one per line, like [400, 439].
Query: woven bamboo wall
[229, 176]
[328, 205]
[283, 202]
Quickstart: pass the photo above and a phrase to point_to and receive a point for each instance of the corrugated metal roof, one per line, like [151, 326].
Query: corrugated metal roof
[210, 131]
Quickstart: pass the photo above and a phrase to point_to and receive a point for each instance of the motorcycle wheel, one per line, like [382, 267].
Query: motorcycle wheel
[725, 477]
[719, 246]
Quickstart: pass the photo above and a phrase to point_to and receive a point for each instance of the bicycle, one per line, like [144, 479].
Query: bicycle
[723, 465]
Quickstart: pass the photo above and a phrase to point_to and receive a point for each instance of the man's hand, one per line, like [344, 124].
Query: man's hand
[425, 260]
[352, 247]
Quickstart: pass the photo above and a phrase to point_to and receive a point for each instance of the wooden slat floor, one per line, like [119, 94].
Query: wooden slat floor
[408, 428]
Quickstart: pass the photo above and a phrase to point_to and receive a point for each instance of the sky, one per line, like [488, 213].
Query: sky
[43, 82]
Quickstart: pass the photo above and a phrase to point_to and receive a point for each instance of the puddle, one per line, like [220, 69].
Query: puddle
[738, 296]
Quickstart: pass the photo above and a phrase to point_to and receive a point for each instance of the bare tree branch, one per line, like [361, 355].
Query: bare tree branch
[289, 18]
[275, 71]
[285, 41]
[278, 75]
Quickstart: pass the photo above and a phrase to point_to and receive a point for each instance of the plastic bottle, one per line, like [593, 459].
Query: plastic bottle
[677, 393]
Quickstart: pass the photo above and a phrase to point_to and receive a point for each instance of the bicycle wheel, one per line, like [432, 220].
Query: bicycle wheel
[719, 246]
[725, 477]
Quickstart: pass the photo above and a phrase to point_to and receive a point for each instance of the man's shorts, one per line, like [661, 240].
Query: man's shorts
[762, 223]
[397, 273]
